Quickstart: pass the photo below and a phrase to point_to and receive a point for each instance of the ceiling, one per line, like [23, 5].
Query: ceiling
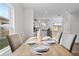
[51, 9]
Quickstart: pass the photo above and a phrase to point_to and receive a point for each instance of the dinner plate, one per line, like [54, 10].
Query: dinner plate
[46, 38]
[39, 49]
[31, 42]
[51, 42]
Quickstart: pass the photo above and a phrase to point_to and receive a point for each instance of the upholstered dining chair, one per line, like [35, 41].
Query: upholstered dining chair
[60, 37]
[49, 32]
[14, 41]
[57, 37]
[24, 37]
[68, 40]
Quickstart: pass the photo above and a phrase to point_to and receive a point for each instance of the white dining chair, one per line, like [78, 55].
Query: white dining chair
[57, 37]
[68, 40]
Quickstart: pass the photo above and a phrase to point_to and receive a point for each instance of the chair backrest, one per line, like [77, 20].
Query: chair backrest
[60, 37]
[67, 41]
[57, 36]
[14, 41]
[49, 32]
[24, 37]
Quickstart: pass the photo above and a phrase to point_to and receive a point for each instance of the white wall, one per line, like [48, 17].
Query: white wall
[71, 23]
[74, 25]
[28, 22]
[19, 18]
[66, 22]
[23, 19]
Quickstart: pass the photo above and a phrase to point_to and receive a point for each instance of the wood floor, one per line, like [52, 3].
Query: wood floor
[75, 50]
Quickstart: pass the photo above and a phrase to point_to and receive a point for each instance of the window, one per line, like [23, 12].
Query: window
[4, 11]
[6, 24]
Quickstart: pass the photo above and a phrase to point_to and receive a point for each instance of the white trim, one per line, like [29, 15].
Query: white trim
[12, 18]
[2, 51]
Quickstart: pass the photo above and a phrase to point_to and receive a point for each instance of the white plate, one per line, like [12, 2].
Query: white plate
[46, 38]
[40, 48]
[31, 42]
[51, 42]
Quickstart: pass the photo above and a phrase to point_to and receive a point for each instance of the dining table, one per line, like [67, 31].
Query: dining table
[54, 50]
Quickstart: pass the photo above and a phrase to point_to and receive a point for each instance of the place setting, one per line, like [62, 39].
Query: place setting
[40, 46]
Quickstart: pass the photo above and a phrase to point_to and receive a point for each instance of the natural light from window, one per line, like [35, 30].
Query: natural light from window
[4, 11]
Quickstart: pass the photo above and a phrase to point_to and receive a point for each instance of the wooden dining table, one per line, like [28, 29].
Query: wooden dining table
[55, 50]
